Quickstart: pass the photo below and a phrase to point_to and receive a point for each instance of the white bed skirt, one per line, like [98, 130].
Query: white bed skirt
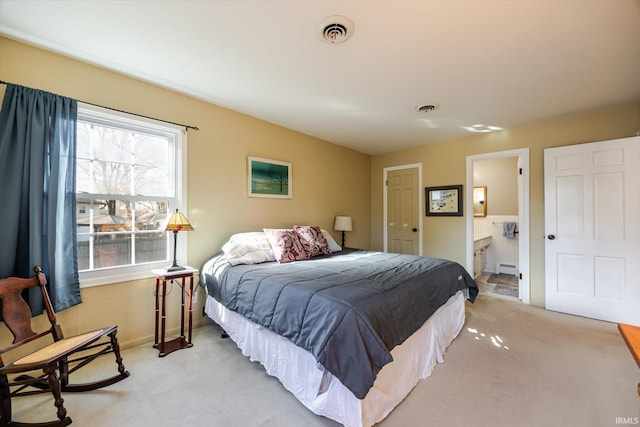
[324, 394]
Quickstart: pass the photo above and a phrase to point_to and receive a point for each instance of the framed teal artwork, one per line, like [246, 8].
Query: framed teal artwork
[269, 178]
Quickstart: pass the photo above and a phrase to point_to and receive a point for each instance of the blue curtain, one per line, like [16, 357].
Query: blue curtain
[37, 192]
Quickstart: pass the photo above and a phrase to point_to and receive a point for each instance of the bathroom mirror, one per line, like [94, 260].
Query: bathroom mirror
[479, 201]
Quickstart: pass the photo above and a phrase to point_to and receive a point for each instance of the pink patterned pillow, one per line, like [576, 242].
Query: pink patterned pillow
[286, 245]
[312, 240]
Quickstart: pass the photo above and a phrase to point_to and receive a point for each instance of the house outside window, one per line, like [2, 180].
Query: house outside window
[128, 176]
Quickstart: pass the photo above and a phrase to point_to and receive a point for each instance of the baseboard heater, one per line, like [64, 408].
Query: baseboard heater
[504, 268]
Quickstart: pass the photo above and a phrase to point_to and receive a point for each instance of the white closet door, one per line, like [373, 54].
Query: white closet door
[592, 230]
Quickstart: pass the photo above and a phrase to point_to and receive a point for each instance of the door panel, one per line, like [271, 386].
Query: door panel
[569, 204]
[570, 278]
[592, 245]
[609, 277]
[608, 192]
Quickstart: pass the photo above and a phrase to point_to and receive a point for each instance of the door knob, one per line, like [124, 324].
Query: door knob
[415, 230]
[551, 237]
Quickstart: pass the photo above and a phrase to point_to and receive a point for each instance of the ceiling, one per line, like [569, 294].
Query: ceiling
[502, 63]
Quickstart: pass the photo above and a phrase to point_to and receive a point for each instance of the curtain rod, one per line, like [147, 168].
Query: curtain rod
[122, 111]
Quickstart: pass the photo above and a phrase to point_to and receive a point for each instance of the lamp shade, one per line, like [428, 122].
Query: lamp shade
[342, 223]
[178, 222]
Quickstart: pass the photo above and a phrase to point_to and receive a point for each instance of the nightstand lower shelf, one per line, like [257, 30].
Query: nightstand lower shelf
[173, 345]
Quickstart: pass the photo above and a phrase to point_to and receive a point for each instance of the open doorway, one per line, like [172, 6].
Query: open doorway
[497, 222]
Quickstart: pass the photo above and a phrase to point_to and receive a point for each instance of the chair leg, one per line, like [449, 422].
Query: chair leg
[122, 372]
[116, 352]
[63, 368]
[54, 386]
[5, 403]
[58, 401]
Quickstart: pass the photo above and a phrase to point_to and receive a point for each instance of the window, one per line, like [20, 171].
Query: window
[128, 176]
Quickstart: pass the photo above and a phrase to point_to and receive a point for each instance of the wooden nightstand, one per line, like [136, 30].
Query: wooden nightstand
[179, 277]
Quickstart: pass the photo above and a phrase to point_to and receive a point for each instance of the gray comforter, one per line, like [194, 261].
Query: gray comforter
[349, 309]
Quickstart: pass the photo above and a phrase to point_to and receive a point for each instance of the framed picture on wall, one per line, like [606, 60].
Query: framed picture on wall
[444, 201]
[268, 178]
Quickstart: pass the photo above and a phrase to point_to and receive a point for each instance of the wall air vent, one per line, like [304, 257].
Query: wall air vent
[335, 29]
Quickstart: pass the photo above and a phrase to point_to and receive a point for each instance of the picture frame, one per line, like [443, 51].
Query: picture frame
[269, 178]
[444, 200]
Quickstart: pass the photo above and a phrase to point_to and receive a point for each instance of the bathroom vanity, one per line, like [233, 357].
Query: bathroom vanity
[480, 244]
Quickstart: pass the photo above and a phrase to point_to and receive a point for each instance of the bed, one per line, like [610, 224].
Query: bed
[348, 332]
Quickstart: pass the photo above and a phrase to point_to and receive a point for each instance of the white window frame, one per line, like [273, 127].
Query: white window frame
[127, 273]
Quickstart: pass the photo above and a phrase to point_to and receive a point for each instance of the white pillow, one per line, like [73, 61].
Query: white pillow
[330, 240]
[248, 248]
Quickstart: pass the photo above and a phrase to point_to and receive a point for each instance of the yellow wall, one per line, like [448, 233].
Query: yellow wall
[327, 179]
[500, 176]
[445, 164]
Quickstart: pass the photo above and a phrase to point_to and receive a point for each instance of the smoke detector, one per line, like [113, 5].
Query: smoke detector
[427, 108]
[335, 29]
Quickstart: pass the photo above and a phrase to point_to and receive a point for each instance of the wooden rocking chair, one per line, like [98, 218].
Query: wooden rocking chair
[51, 365]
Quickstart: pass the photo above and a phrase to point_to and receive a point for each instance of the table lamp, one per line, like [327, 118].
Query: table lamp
[177, 222]
[342, 223]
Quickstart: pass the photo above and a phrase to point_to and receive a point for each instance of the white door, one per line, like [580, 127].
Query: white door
[592, 230]
[403, 211]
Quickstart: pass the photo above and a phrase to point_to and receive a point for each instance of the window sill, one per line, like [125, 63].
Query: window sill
[112, 276]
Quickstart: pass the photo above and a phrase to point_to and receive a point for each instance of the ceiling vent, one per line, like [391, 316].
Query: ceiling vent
[427, 108]
[335, 29]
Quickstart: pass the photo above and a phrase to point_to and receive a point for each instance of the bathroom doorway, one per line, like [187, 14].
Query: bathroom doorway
[497, 222]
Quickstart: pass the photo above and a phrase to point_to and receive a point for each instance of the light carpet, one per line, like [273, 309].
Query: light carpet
[512, 365]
